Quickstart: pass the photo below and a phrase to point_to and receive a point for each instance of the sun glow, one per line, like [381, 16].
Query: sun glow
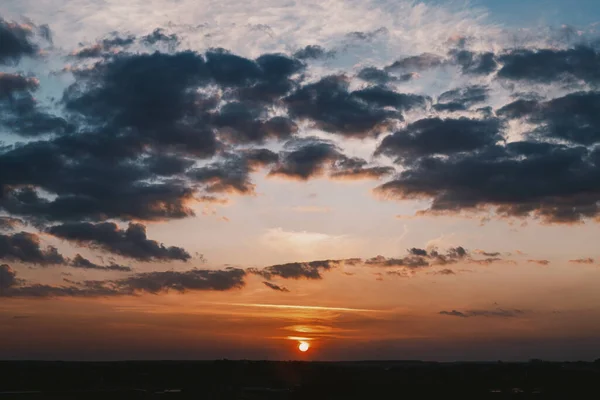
[303, 346]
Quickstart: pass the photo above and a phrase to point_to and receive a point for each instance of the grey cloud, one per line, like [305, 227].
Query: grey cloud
[26, 247]
[276, 287]
[433, 136]
[84, 263]
[539, 262]
[313, 52]
[182, 281]
[9, 223]
[461, 99]
[332, 108]
[476, 63]
[549, 65]
[416, 63]
[297, 270]
[582, 261]
[149, 282]
[501, 313]
[554, 182]
[131, 242]
[15, 42]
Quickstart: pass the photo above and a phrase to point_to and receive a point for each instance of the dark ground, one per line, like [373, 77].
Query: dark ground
[297, 380]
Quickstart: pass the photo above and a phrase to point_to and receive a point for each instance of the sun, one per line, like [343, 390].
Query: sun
[303, 346]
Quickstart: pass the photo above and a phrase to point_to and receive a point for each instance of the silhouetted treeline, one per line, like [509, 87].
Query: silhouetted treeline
[296, 380]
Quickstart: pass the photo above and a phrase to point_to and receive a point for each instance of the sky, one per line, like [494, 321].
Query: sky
[184, 179]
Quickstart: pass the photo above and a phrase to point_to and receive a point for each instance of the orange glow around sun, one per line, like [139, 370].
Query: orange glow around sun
[303, 346]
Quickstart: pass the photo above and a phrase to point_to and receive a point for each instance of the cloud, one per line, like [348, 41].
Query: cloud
[573, 117]
[475, 63]
[232, 174]
[159, 36]
[461, 99]
[553, 182]
[582, 261]
[550, 65]
[9, 223]
[311, 157]
[312, 51]
[297, 270]
[539, 262]
[417, 259]
[435, 136]
[105, 47]
[330, 106]
[182, 281]
[15, 42]
[445, 271]
[131, 243]
[83, 263]
[149, 282]
[21, 113]
[276, 287]
[8, 277]
[25, 247]
[501, 313]
[420, 62]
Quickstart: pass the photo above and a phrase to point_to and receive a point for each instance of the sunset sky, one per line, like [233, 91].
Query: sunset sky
[382, 179]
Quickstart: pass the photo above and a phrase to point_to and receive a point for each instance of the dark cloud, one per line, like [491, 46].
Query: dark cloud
[539, 262]
[8, 277]
[232, 175]
[21, 114]
[417, 259]
[12, 83]
[382, 77]
[182, 281]
[582, 261]
[159, 36]
[358, 173]
[9, 223]
[105, 47]
[26, 247]
[331, 107]
[476, 63]
[306, 159]
[297, 270]
[376, 75]
[487, 253]
[246, 122]
[168, 164]
[433, 136]
[556, 183]
[149, 95]
[313, 52]
[312, 157]
[276, 287]
[15, 42]
[574, 117]
[84, 263]
[549, 65]
[461, 99]
[484, 313]
[149, 282]
[382, 97]
[416, 63]
[90, 179]
[445, 271]
[131, 242]
[408, 262]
